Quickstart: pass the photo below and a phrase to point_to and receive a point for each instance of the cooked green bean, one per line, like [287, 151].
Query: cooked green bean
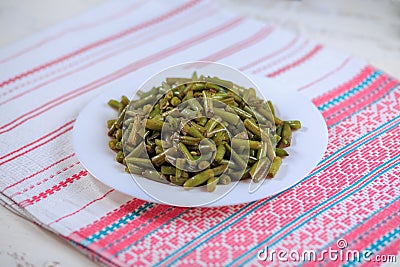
[175, 101]
[167, 170]
[260, 169]
[236, 158]
[189, 129]
[252, 127]
[211, 124]
[199, 179]
[159, 159]
[162, 135]
[114, 104]
[220, 153]
[219, 170]
[295, 124]
[154, 124]
[134, 169]
[194, 104]
[110, 123]
[281, 152]
[243, 142]
[112, 144]
[229, 117]
[242, 114]
[177, 181]
[185, 151]
[276, 163]
[146, 163]
[286, 136]
[154, 175]
[212, 184]
[224, 179]
[271, 107]
[189, 140]
[124, 101]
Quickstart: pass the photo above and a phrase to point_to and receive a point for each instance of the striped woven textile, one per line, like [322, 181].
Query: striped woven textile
[352, 195]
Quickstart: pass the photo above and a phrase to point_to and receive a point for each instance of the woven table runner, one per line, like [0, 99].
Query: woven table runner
[350, 201]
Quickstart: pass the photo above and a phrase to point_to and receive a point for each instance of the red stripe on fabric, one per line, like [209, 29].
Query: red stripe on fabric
[37, 140]
[255, 38]
[107, 219]
[55, 188]
[37, 146]
[357, 105]
[341, 66]
[135, 28]
[73, 29]
[175, 26]
[26, 189]
[187, 221]
[282, 58]
[38, 172]
[121, 72]
[298, 62]
[344, 104]
[136, 229]
[326, 97]
[269, 56]
[83, 207]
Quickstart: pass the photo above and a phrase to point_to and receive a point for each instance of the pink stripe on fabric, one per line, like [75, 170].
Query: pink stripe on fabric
[120, 73]
[38, 172]
[187, 222]
[255, 38]
[368, 70]
[270, 55]
[282, 58]
[37, 146]
[37, 183]
[55, 188]
[341, 66]
[364, 102]
[106, 220]
[176, 26]
[342, 105]
[103, 41]
[298, 62]
[127, 236]
[82, 208]
[89, 25]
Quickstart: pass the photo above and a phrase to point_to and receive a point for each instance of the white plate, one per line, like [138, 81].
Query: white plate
[309, 143]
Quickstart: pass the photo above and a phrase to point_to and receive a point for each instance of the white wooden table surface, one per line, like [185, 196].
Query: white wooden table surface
[365, 28]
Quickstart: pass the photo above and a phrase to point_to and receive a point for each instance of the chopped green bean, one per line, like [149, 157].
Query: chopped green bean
[199, 179]
[276, 163]
[212, 184]
[190, 110]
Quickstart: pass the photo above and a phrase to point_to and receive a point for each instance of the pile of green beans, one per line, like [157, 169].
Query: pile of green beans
[202, 109]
